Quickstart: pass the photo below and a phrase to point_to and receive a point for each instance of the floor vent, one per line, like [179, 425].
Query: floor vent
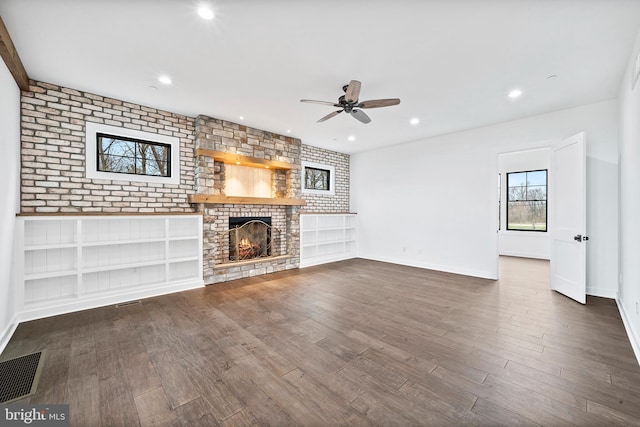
[124, 304]
[19, 376]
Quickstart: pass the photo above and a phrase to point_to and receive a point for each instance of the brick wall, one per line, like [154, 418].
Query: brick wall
[53, 154]
[339, 202]
[53, 169]
[229, 137]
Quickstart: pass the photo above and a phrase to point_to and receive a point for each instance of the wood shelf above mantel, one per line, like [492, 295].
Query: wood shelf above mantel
[240, 200]
[239, 159]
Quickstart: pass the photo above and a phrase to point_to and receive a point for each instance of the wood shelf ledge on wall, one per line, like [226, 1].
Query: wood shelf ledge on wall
[239, 200]
[239, 159]
[69, 214]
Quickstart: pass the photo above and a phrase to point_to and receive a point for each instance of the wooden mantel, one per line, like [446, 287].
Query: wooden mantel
[239, 159]
[216, 199]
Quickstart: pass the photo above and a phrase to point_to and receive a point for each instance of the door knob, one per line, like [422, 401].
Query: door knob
[578, 238]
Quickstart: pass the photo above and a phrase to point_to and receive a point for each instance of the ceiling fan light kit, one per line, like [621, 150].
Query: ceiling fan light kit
[349, 103]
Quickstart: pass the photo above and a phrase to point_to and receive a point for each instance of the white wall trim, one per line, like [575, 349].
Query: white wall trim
[91, 171]
[428, 266]
[523, 255]
[326, 260]
[634, 337]
[6, 335]
[602, 293]
[39, 313]
[332, 179]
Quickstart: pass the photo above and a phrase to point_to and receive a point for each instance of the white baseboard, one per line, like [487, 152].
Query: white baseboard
[447, 269]
[8, 333]
[603, 293]
[48, 311]
[633, 335]
[324, 260]
[523, 255]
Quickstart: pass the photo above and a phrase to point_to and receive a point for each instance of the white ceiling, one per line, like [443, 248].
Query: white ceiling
[451, 63]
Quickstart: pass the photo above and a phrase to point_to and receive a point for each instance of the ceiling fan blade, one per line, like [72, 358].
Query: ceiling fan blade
[311, 101]
[377, 103]
[328, 116]
[353, 91]
[360, 115]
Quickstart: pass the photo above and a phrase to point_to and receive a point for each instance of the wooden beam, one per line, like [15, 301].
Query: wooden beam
[239, 159]
[213, 199]
[11, 58]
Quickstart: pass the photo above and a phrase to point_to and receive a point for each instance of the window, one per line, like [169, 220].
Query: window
[130, 155]
[133, 156]
[527, 201]
[318, 179]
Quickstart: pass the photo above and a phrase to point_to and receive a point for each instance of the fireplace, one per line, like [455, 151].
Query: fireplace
[249, 238]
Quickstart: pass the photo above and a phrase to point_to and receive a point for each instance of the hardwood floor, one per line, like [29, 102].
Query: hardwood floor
[352, 343]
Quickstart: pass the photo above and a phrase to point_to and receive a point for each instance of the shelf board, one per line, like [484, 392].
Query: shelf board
[51, 246]
[49, 274]
[214, 199]
[122, 242]
[330, 242]
[183, 259]
[239, 159]
[178, 238]
[311, 213]
[113, 267]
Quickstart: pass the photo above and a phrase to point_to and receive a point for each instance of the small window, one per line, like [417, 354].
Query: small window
[318, 179]
[527, 201]
[132, 156]
[123, 154]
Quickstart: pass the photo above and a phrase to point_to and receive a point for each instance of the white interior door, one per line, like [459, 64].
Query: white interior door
[569, 220]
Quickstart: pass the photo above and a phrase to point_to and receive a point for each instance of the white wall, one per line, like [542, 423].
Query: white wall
[433, 203]
[529, 244]
[629, 296]
[9, 195]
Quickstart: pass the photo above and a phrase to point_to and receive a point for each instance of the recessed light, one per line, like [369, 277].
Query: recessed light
[515, 93]
[205, 12]
[164, 79]
[237, 163]
[241, 117]
[288, 130]
[414, 121]
[352, 138]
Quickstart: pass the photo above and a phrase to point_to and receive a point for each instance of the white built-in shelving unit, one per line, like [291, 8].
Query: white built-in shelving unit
[327, 238]
[68, 263]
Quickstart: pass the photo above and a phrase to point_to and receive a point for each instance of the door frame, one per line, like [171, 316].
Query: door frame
[497, 152]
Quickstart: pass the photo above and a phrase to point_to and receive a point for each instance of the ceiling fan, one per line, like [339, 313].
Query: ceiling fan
[350, 104]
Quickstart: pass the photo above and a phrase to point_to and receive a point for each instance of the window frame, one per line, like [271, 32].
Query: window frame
[509, 201]
[137, 142]
[92, 131]
[318, 166]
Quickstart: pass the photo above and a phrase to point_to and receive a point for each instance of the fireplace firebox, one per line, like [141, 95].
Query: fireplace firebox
[249, 238]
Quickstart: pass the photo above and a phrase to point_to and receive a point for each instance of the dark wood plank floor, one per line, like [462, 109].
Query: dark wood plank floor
[352, 343]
